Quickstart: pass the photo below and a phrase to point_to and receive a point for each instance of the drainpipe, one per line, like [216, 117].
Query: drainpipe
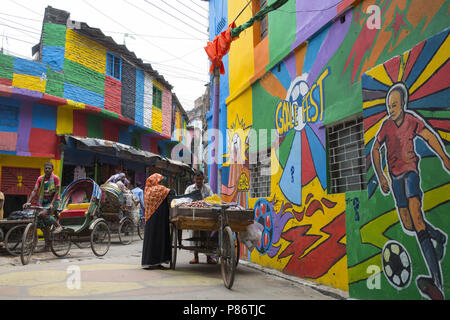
[215, 127]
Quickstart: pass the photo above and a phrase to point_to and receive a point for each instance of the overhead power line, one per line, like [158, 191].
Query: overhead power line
[157, 18]
[190, 26]
[9, 37]
[21, 5]
[19, 17]
[203, 25]
[192, 10]
[199, 6]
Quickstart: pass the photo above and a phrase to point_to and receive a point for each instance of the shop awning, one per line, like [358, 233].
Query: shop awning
[126, 152]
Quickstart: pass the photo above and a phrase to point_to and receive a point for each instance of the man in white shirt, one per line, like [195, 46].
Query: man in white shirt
[206, 191]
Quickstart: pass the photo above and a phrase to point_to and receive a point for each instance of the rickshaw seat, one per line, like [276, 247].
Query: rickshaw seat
[73, 213]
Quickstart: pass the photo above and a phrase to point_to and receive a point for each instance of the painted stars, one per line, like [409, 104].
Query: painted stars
[399, 22]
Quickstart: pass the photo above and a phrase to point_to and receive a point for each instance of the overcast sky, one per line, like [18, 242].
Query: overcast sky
[169, 34]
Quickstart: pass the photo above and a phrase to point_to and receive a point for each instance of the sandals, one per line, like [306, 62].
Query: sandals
[193, 261]
[211, 261]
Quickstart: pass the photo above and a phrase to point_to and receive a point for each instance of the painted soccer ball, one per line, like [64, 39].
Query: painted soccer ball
[396, 264]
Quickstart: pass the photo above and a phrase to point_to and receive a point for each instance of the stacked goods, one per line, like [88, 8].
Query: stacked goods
[214, 199]
[195, 204]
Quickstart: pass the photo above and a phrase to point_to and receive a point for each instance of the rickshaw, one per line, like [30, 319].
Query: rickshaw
[79, 215]
[115, 207]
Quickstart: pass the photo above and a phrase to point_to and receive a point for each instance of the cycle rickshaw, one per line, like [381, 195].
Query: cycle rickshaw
[80, 216]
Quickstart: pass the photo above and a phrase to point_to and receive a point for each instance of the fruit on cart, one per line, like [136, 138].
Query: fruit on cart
[214, 199]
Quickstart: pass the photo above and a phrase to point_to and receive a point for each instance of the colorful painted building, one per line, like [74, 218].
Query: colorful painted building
[314, 98]
[83, 87]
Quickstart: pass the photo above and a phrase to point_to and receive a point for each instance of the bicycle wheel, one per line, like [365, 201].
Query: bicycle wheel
[141, 227]
[13, 239]
[60, 243]
[228, 257]
[126, 231]
[29, 242]
[100, 239]
[174, 242]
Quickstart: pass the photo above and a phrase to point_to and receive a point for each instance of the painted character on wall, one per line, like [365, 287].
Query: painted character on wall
[397, 134]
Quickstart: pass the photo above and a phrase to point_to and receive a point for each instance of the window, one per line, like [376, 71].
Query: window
[260, 176]
[262, 5]
[157, 97]
[346, 156]
[113, 66]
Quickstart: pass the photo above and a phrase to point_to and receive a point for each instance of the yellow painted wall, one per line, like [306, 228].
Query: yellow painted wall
[7, 160]
[29, 82]
[156, 119]
[84, 51]
[241, 62]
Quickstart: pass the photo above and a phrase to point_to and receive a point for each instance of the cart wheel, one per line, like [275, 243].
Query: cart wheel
[126, 230]
[228, 257]
[29, 242]
[141, 227]
[60, 243]
[13, 239]
[237, 247]
[100, 239]
[174, 241]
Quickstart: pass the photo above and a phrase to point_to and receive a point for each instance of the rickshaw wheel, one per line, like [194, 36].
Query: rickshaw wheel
[100, 239]
[174, 242]
[60, 244]
[126, 231]
[237, 247]
[13, 239]
[141, 227]
[228, 257]
[29, 242]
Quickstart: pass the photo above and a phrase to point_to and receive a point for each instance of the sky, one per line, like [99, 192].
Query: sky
[169, 34]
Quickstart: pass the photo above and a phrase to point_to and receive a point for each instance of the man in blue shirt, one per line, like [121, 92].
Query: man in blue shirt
[139, 194]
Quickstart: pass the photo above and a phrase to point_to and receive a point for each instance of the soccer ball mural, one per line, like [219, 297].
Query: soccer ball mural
[396, 264]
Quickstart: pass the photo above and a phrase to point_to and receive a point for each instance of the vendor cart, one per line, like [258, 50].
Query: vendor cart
[224, 244]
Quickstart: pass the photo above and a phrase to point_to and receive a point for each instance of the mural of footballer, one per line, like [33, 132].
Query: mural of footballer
[397, 134]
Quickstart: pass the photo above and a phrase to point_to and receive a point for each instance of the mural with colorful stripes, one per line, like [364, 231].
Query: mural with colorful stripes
[315, 68]
[407, 125]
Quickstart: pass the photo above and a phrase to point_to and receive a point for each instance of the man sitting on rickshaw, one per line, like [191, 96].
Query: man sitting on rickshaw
[46, 188]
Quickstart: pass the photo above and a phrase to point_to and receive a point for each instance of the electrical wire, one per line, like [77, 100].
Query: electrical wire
[192, 10]
[200, 6]
[157, 18]
[9, 37]
[22, 25]
[21, 5]
[242, 10]
[19, 17]
[176, 17]
[205, 26]
[152, 44]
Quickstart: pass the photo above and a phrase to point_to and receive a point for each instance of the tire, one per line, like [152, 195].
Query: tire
[13, 239]
[228, 257]
[174, 243]
[29, 242]
[126, 231]
[141, 227]
[60, 243]
[237, 248]
[100, 239]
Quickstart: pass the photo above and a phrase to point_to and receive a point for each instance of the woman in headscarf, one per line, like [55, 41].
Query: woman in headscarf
[156, 247]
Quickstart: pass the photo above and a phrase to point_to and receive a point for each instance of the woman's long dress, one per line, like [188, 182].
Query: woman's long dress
[157, 248]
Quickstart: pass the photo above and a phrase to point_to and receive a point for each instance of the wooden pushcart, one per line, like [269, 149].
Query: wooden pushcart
[224, 244]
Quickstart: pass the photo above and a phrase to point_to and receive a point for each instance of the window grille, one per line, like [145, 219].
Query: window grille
[113, 66]
[346, 156]
[260, 176]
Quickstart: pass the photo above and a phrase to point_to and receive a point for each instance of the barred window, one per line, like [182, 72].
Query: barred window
[346, 156]
[260, 176]
[157, 97]
[262, 5]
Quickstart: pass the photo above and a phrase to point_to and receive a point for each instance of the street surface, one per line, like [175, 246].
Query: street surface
[118, 275]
